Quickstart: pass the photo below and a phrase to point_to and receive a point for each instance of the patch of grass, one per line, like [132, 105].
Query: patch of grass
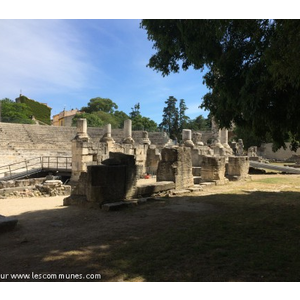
[255, 237]
[278, 180]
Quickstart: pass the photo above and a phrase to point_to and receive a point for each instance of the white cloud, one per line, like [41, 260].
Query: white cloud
[40, 54]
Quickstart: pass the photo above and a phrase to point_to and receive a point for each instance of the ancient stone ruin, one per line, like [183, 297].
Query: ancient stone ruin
[107, 171]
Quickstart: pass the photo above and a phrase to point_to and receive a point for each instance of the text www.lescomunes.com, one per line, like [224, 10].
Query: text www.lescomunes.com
[48, 276]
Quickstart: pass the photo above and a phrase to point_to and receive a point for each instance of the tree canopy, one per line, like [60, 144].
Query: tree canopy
[12, 112]
[101, 111]
[100, 104]
[174, 118]
[252, 70]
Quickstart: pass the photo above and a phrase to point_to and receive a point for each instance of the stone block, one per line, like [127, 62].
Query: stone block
[176, 166]
[213, 168]
[7, 223]
[238, 166]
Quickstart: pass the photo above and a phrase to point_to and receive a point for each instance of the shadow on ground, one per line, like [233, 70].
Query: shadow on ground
[252, 236]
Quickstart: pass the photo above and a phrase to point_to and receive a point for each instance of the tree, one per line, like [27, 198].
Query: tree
[182, 118]
[12, 112]
[120, 117]
[170, 118]
[143, 123]
[100, 104]
[199, 123]
[135, 111]
[253, 68]
[92, 119]
[139, 122]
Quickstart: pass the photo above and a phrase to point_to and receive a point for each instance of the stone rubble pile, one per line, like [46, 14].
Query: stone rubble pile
[36, 187]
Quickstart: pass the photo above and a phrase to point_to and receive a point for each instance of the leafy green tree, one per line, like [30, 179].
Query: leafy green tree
[12, 112]
[135, 111]
[139, 122]
[249, 139]
[252, 70]
[143, 123]
[120, 117]
[199, 123]
[93, 120]
[100, 104]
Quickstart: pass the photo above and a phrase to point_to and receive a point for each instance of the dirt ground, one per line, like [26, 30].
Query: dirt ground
[54, 239]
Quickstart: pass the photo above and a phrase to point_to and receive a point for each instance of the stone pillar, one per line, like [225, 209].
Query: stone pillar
[107, 135]
[240, 148]
[218, 148]
[82, 130]
[224, 136]
[146, 140]
[213, 169]
[238, 167]
[80, 150]
[197, 138]
[187, 138]
[224, 141]
[128, 132]
[176, 166]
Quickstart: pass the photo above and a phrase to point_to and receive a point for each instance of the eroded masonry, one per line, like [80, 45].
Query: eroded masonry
[107, 171]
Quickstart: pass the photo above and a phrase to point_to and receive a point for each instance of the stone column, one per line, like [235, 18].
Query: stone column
[80, 150]
[128, 132]
[146, 140]
[224, 141]
[224, 136]
[197, 138]
[107, 134]
[82, 130]
[187, 138]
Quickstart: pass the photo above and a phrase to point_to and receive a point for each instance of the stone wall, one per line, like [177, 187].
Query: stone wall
[114, 180]
[176, 166]
[34, 187]
[266, 152]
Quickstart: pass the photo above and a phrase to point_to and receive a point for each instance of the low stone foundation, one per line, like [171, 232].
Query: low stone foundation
[35, 187]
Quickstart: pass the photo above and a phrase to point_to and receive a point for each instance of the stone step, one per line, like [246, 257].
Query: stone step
[197, 179]
[196, 171]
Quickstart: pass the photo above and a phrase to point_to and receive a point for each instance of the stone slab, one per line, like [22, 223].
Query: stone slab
[7, 223]
[149, 189]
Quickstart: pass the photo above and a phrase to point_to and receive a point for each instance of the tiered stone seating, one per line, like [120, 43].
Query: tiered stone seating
[23, 141]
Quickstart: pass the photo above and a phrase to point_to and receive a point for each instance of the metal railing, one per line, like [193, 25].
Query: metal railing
[35, 165]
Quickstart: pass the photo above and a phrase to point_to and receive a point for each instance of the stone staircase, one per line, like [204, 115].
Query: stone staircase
[22, 141]
[25, 141]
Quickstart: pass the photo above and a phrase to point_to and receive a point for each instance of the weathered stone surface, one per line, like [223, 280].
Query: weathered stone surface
[113, 181]
[157, 187]
[213, 168]
[238, 166]
[176, 166]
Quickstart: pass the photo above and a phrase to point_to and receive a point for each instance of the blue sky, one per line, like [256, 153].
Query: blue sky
[65, 63]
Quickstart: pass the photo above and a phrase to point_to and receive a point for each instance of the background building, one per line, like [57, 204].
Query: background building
[64, 118]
